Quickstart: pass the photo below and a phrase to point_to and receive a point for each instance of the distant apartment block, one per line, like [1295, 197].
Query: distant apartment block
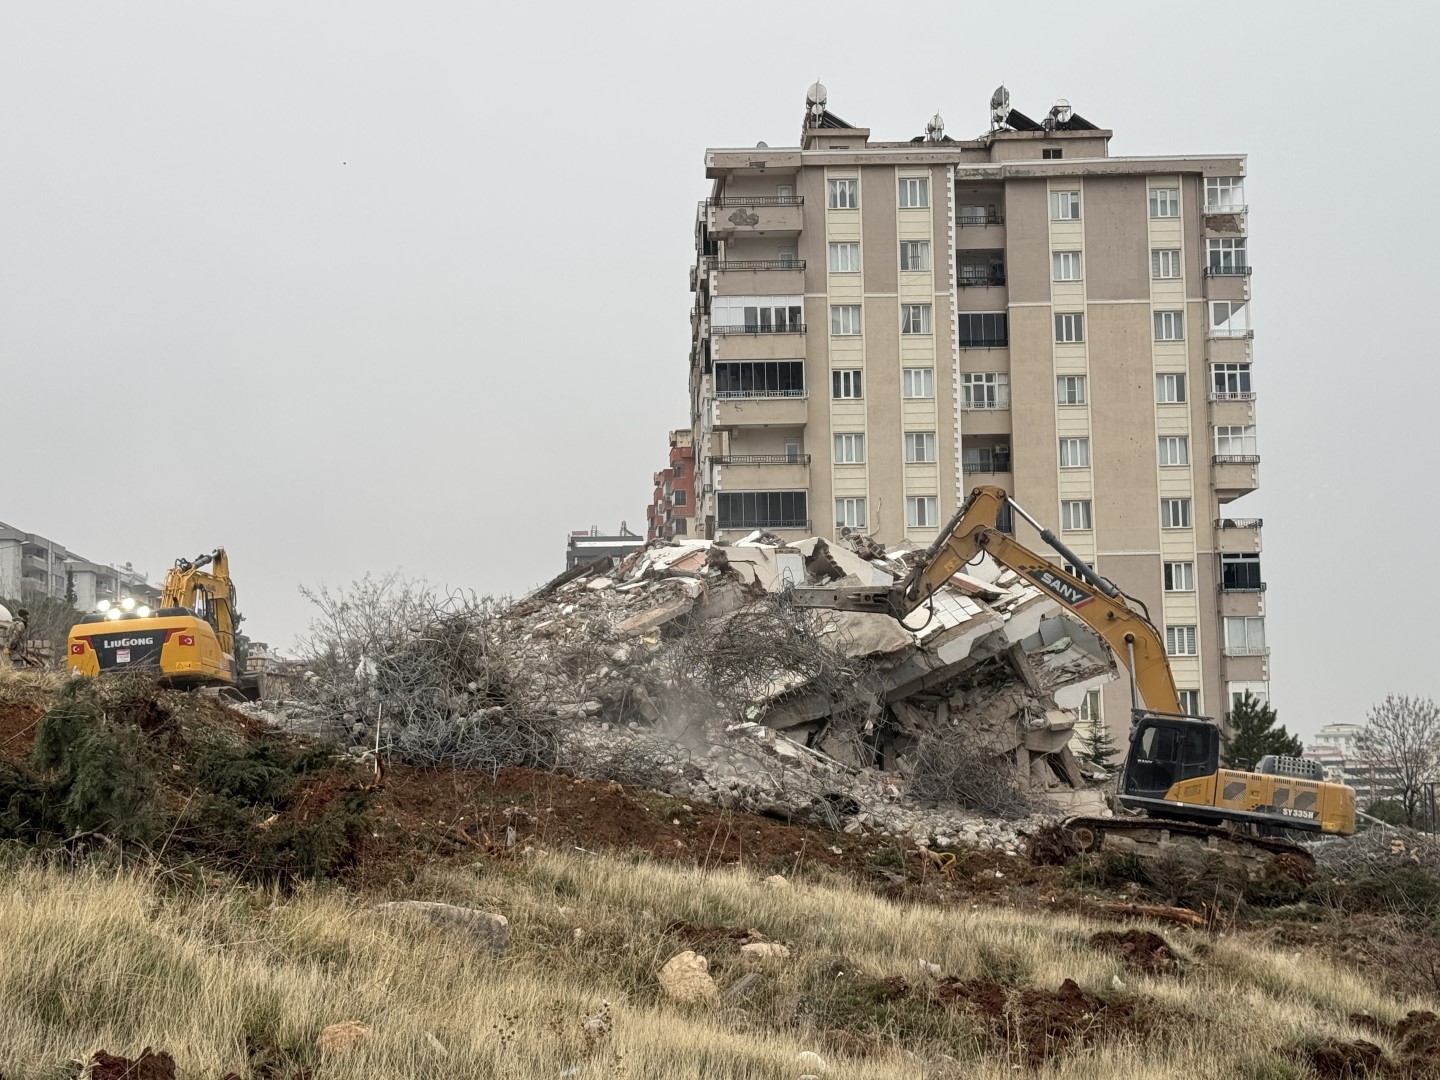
[672, 505]
[32, 565]
[880, 326]
[584, 546]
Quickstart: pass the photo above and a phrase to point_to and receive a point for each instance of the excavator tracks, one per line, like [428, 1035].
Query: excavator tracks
[1158, 838]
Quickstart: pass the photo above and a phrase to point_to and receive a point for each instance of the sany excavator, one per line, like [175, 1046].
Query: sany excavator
[189, 639]
[1172, 772]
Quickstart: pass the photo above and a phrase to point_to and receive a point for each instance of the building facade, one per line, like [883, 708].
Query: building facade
[33, 565]
[672, 505]
[880, 326]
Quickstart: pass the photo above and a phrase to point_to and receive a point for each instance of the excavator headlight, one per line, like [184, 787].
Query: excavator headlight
[113, 613]
[143, 611]
[128, 604]
[104, 605]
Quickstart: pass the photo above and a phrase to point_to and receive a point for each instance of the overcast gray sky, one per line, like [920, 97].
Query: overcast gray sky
[350, 286]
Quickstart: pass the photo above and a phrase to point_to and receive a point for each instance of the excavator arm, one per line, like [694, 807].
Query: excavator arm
[208, 592]
[1088, 597]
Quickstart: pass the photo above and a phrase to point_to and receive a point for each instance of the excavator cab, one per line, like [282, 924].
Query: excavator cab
[1167, 750]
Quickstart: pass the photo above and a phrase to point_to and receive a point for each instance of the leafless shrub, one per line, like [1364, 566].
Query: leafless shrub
[1402, 738]
[954, 770]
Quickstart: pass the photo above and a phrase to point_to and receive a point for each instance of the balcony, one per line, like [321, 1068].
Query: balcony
[756, 328]
[1232, 395]
[972, 277]
[1214, 209]
[784, 408]
[762, 277]
[1242, 587]
[1235, 475]
[747, 525]
[764, 471]
[731, 265]
[1216, 333]
[1245, 650]
[998, 463]
[761, 459]
[1229, 270]
[755, 215]
[971, 221]
[986, 343]
[992, 403]
[1236, 459]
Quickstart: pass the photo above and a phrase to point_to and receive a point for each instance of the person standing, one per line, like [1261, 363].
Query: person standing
[15, 638]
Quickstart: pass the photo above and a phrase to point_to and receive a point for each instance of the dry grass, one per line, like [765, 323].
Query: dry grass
[92, 958]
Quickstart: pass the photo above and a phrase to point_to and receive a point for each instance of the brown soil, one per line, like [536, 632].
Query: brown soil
[1342, 1060]
[150, 1065]
[17, 730]
[1417, 1049]
[1142, 950]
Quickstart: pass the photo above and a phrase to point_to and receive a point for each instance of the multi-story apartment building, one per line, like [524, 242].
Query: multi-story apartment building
[879, 326]
[672, 505]
[32, 565]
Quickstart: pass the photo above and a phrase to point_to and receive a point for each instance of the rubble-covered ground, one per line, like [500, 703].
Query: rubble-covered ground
[686, 669]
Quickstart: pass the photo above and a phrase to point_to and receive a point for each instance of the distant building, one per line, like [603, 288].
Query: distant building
[584, 547]
[672, 506]
[33, 565]
[1335, 749]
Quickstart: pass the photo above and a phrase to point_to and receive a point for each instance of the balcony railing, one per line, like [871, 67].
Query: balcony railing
[1232, 395]
[757, 200]
[757, 328]
[744, 395]
[1242, 588]
[1217, 334]
[967, 220]
[1002, 401]
[1239, 523]
[997, 465]
[987, 278]
[1236, 459]
[986, 343]
[761, 459]
[757, 264]
[1229, 270]
[781, 523]
[1225, 208]
[1246, 650]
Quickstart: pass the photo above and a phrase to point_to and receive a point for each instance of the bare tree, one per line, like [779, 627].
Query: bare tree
[1402, 736]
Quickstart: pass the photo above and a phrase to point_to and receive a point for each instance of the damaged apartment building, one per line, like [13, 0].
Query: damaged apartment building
[879, 326]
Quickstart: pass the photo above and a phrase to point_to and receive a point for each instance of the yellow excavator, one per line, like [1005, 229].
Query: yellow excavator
[189, 639]
[1172, 773]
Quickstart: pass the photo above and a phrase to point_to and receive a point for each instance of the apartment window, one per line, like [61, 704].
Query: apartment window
[1170, 389]
[845, 383]
[1245, 636]
[1229, 318]
[915, 318]
[1169, 326]
[919, 446]
[1075, 454]
[1073, 570]
[1179, 577]
[985, 390]
[922, 512]
[760, 378]
[1190, 702]
[844, 319]
[1240, 571]
[1164, 202]
[1180, 641]
[1065, 265]
[1069, 327]
[914, 192]
[990, 459]
[1075, 514]
[1070, 390]
[1238, 439]
[978, 215]
[1051, 152]
[850, 514]
[980, 329]
[915, 255]
[1064, 205]
[850, 449]
[1226, 253]
[1230, 381]
[757, 315]
[679, 527]
[1174, 450]
[1175, 513]
[677, 498]
[1165, 264]
[845, 258]
[792, 450]
[679, 470]
[919, 382]
[1222, 192]
[761, 510]
[842, 194]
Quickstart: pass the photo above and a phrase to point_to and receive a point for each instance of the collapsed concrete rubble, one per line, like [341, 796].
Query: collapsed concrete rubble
[685, 668]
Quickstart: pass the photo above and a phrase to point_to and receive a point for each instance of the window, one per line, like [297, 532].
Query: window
[1090, 711]
[678, 470]
[1180, 641]
[985, 390]
[1169, 326]
[1241, 572]
[1164, 202]
[677, 498]
[850, 449]
[1073, 570]
[1174, 450]
[842, 194]
[1179, 577]
[919, 446]
[1065, 265]
[1069, 327]
[1229, 318]
[1230, 382]
[1064, 205]
[1175, 513]
[914, 192]
[761, 510]
[915, 255]
[990, 459]
[792, 450]
[1225, 192]
[679, 526]
[1165, 264]
[1190, 702]
[978, 215]
[922, 512]
[1075, 454]
[760, 378]
[1070, 389]
[758, 315]
[1170, 389]
[845, 258]
[1075, 514]
[844, 319]
[1226, 253]
[850, 513]
[915, 318]
[919, 382]
[1049, 152]
[845, 384]
[1238, 440]
[788, 255]
[1245, 636]
[983, 329]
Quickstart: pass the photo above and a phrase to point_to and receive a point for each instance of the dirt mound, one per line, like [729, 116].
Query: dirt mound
[1417, 1049]
[1342, 1059]
[150, 1065]
[1142, 950]
[17, 729]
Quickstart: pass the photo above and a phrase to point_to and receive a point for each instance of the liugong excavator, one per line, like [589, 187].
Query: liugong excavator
[189, 639]
[1172, 772]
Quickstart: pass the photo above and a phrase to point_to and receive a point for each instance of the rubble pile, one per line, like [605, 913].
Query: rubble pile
[686, 668]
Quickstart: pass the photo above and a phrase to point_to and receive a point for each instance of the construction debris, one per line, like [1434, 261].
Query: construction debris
[685, 667]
